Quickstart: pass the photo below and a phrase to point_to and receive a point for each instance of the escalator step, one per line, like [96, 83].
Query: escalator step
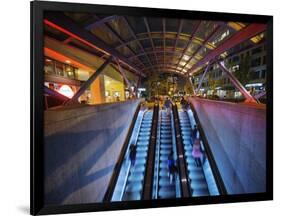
[163, 157]
[135, 177]
[186, 132]
[163, 165]
[141, 154]
[163, 173]
[165, 151]
[145, 129]
[134, 187]
[143, 138]
[196, 175]
[140, 162]
[188, 148]
[166, 146]
[131, 196]
[185, 137]
[197, 193]
[164, 181]
[147, 133]
[167, 136]
[167, 133]
[142, 143]
[142, 148]
[166, 141]
[166, 193]
[199, 186]
[193, 168]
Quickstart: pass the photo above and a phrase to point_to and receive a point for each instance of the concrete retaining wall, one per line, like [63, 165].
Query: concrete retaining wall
[82, 145]
[237, 137]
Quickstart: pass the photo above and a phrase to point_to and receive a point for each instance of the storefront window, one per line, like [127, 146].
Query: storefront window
[59, 69]
[69, 71]
[49, 66]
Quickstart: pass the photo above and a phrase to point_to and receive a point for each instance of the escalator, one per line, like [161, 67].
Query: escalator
[165, 146]
[130, 182]
[134, 185]
[198, 183]
[204, 179]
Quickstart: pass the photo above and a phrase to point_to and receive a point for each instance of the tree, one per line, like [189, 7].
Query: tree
[243, 73]
[214, 83]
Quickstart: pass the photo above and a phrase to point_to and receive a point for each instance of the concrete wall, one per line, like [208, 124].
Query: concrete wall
[82, 145]
[237, 137]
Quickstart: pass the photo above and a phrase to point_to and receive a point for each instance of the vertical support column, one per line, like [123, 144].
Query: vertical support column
[191, 84]
[138, 84]
[236, 83]
[202, 77]
[97, 91]
[125, 78]
[86, 85]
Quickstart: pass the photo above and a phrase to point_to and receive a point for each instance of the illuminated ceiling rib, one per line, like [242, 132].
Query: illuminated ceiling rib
[240, 36]
[151, 47]
[63, 23]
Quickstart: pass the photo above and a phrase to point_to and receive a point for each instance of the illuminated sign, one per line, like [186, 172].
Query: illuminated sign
[254, 85]
[66, 91]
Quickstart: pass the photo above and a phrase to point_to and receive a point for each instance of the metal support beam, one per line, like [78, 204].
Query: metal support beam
[150, 38]
[192, 86]
[86, 85]
[90, 25]
[202, 77]
[246, 33]
[124, 76]
[64, 24]
[236, 83]
[207, 39]
[189, 41]
[137, 87]
[258, 96]
[164, 41]
[130, 29]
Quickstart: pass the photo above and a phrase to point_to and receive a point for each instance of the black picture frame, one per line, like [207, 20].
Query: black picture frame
[37, 107]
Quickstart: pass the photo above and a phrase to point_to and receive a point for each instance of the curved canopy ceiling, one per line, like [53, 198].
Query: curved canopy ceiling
[153, 44]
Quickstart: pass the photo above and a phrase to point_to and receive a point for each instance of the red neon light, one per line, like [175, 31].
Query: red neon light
[53, 25]
[60, 57]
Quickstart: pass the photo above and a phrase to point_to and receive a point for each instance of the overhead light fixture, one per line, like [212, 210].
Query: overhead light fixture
[67, 61]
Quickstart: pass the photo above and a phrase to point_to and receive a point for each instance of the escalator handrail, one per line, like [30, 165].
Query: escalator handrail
[174, 141]
[148, 177]
[127, 155]
[158, 156]
[210, 156]
[186, 192]
[112, 183]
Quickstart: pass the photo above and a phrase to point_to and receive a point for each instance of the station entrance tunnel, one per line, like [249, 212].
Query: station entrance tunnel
[140, 108]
